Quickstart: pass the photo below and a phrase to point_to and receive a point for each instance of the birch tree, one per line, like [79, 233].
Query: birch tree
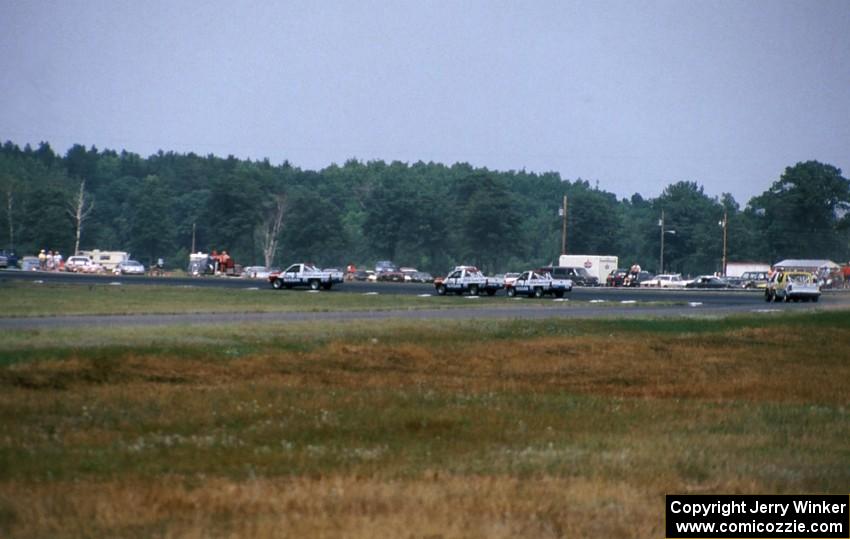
[79, 209]
[271, 229]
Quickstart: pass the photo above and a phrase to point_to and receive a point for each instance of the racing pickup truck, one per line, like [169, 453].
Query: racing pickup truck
[791, 286]
[305, 275]
[532, 283]
[469, 279]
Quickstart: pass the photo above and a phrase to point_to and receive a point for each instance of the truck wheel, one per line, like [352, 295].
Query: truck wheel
[538, 293]
[511, 292]
[491, 291]
[277, 284]
[441, 290]
[314, 285]
[473, 290]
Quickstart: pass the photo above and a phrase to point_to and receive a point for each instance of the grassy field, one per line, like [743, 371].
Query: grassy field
[28, 299]
[483, 429]
[22, 299]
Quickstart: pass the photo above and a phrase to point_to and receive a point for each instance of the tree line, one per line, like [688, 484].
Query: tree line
[428, 215]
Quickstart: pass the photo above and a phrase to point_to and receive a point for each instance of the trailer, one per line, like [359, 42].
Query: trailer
[108, 259]
[599, 266]
[738, 269]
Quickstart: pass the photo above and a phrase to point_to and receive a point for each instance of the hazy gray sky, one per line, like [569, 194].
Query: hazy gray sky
[634, 95]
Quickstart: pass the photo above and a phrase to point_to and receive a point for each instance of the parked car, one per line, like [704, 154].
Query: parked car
[8, 259]
[130, 267]
[82, 264]
[391, 275]
[708, 281]
[421, 277]
[666, 280]
[30, 263]
[617, 277]
[637, 279]
[754, 279]
[734, 282]
[510, 278]
[792, 286]
[385, 265]
[258, 272]
[407, 274]
[579, 276]
[361, 275]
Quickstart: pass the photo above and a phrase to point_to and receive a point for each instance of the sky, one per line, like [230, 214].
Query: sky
[631, 96]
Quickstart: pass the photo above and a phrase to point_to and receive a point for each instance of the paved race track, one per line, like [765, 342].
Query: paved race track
[720, 297]
[583, 303]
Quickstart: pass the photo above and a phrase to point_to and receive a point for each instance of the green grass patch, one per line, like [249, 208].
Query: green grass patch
[26, 299]
[29, 299]
[235, 340]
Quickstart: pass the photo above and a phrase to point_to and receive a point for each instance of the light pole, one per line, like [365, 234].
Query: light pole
[724, 223]
[661, 224]
[563, 212]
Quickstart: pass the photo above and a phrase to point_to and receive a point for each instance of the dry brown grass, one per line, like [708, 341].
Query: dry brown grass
[764, 364]
[344, 506]
[415, 436]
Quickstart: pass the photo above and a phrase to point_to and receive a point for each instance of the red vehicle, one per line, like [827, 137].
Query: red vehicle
[395, 276]
[223, 263]
[617, 277]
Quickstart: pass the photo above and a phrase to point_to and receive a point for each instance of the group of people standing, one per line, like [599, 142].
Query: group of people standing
[50, 261]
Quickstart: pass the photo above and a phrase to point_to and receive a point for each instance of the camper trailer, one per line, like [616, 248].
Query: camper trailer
[108, 259]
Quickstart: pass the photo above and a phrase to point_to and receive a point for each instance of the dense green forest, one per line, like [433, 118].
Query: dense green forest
[427, 215]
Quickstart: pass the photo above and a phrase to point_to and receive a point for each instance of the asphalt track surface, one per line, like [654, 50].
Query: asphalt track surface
[580, 303]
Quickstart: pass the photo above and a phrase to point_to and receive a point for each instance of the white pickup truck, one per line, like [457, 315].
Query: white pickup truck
[305, 275]
[469, 279]
[531, 283]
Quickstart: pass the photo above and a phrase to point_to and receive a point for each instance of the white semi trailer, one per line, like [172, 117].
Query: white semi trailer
[597, 265]
[737, 269]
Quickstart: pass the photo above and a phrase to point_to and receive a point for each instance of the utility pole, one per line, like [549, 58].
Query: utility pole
[724, 224]
[661, 260]
[564, 227]
[9, 201]
[193, 239]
